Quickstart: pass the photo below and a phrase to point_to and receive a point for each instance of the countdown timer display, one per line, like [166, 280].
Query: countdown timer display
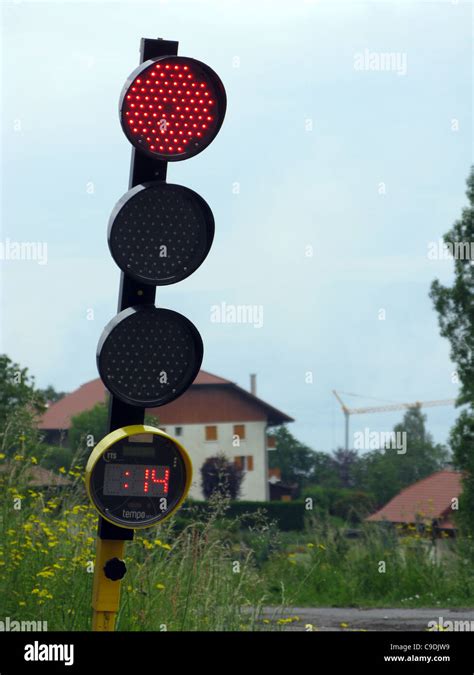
[137, 476]
[137, 481]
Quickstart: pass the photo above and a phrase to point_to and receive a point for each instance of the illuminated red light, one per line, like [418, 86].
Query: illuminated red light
[175, 103]
[151, 477]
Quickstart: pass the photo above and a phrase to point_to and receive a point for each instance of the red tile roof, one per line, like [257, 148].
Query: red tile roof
[427, 499]
[210, 399]
[58, 415]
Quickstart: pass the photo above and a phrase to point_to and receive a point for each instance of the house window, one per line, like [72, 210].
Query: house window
[211, 433]
[178, 431]
[239, 430]
[244, 462]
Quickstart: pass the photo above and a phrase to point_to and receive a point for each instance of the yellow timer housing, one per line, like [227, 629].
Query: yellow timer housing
[137, 476]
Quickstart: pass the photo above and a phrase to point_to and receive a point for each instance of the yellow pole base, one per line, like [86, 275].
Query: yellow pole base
[105, 592]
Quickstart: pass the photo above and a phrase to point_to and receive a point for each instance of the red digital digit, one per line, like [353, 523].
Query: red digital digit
[150, 477]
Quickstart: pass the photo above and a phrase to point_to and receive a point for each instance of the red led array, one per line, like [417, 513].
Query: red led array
[170, 108]
[150, 477]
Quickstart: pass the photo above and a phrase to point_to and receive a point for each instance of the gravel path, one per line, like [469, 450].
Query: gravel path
[349, 618]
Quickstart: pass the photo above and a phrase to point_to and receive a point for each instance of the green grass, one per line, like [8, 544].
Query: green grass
[209, 573]
[379, 569]
[196, 579]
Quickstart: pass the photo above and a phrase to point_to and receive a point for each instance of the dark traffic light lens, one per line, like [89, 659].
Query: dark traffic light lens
[172, 107]
[149, 356]
[160, 233]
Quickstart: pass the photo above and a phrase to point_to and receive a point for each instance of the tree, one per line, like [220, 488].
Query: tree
[221, 477]
[50, 395]
[20, 407]
[462, 444]
[295, 460]
[455, 307]
[86, 430]
[325, 471]
[17, 390]
[344, 463]
[455, 304]
[89, 427]
[386, 471]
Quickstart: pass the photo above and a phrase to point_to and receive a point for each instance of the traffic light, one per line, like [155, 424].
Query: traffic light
[172, 107]
[159, 233]
[148, 356]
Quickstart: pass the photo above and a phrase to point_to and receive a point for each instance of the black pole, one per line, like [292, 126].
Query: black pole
[132, 293]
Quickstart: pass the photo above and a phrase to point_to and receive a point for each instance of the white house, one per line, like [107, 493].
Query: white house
[213, 416]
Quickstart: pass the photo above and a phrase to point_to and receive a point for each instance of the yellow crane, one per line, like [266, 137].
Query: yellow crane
[382, 408]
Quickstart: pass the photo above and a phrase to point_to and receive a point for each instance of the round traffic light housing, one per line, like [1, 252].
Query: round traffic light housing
[137, 476]
[172, 107]
[148, 356]
[160, 233]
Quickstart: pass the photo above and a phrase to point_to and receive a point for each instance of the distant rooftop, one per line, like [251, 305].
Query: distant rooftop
[426, 499]
[209, 399]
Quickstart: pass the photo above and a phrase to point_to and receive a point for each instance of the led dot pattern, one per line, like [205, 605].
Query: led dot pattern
[160, 233]
[149, 356]
[172, 107]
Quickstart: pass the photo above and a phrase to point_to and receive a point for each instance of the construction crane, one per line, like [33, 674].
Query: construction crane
[383, 408]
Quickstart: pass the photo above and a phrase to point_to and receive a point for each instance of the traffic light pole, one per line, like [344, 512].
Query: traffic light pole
[110, 538]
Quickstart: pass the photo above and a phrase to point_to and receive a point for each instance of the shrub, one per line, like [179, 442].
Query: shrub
[220, 476]
[348, 504]
[286, 515]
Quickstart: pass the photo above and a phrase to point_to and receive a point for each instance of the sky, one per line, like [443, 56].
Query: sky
[328, 181]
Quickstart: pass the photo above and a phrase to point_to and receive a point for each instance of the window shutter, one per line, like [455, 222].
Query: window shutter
[239, 430]
[211, 433]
